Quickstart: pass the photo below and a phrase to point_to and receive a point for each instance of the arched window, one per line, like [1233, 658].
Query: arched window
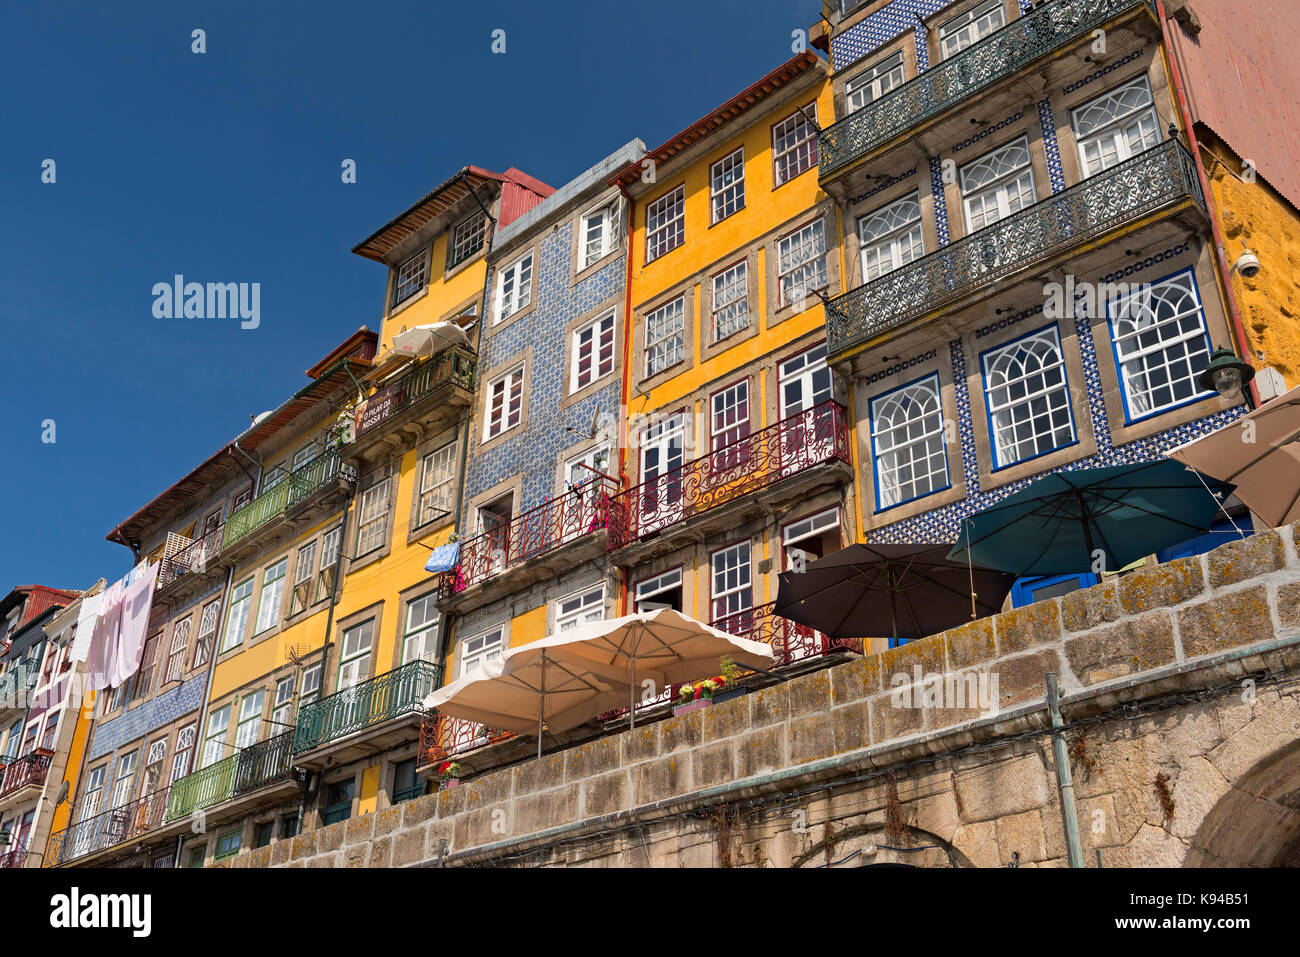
[907, 437]
[1028, 398]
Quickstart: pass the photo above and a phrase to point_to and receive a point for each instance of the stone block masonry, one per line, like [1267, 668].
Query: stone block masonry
[1176, 670]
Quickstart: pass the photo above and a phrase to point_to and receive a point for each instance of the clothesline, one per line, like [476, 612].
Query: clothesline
[111, 628]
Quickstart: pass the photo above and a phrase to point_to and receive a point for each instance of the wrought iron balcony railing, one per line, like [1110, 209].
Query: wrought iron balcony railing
[14, 683]
[300, 485]
[14, 857]
[248, 769]
[190, 558]
[443, 737]
[29, 769]
[565, 519]
[1087, 211]
[451, 366]
[107, 829]
[1001, 54]
[793, 445]
[365, 705]
[791, 642]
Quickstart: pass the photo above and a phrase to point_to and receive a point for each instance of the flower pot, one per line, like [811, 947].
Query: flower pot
[449, 783]
[690, 706]
[727, 695]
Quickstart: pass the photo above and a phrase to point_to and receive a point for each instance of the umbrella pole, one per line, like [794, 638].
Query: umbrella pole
[970, 570]
[541, 707]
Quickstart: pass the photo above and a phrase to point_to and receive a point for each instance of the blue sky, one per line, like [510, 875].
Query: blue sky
[225, 167]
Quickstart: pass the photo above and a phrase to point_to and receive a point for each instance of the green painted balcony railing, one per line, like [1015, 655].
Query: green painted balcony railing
[16, 679]
[1000, 54]
[248, 769]
[297, 488]
[364, 705]
[1162, 176]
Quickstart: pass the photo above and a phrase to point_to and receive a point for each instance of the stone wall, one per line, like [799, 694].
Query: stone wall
[1180, 731]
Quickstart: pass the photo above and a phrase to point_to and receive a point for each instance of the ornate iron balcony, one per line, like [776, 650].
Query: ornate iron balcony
[299, 486]
[565, 519]
[790, 641]
[793, 445]
[13, 684]
[1161, 176]
[107, 829]
[15, 857]
[29, 769]
[1000, 54]
[190, 558]
[443, 737]
[451, 366]
[248, 769]
[364, 705]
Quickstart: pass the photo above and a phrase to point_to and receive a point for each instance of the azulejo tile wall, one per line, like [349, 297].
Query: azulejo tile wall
[534, 452]
[140, 720]
[943, 524]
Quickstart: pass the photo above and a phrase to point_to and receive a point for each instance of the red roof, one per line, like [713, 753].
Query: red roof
[786, 73]
[519, 193]
[40, 598]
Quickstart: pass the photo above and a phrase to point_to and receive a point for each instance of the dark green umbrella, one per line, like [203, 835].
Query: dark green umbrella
[1064, 523]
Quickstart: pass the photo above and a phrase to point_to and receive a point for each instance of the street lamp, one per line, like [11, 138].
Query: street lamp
[1226, 374]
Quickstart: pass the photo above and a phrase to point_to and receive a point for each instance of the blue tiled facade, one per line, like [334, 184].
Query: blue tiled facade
[140, 720]
[535, 450]
[943, 524]
[884, 25]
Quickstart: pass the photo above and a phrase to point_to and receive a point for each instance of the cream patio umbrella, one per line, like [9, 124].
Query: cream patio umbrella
[1260, 454]
[427, 339]
[566, 679]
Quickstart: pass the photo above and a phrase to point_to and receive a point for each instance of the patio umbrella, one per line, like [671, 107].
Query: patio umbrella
[1260, 454]
[1062, 523]
[915, 588]
[524, 693]
[427, 339]
[663, 646]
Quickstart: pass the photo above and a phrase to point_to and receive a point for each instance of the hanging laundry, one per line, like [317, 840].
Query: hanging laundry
[86, 617]
[117, 641]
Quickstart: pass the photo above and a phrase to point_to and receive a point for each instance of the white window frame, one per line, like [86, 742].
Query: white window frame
[1194, 343]
[731, 581]
[179, 645]
[810, 270]
[251, 707]
[603, 219]
[730, 301]
[508, 388]
[304, 576]
[270, 598]
[1118, 127]
[436, 488]
[726, 402]
[970, 27]
[1011, 189]
[206, 640]
[579, 608]
[893, 234]
[124, 779]
[645, 590]
[241, 599]
[476, 650]
[183, 754]
[727, 185]
[309, 689]
[94, 794]
[282, 704]
[514, 287]
[874, 82]
[926, 396]
[356, 665]
[214, 741]
[665, 223]
[600, 339]
[372, 516]
[412, 277]
[422, 635]
[794, 145]
[466, 239]
[331, 549]
[804, 370]
[665, 336]
[1040, 343]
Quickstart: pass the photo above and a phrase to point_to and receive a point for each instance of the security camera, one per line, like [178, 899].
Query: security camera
[1247, 263]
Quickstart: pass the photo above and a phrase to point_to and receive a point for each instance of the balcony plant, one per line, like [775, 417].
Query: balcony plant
[448, 775]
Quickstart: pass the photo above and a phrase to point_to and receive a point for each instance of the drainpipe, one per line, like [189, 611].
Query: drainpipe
[1064, 780]
[1221, 258]
[234, 447]
[627, 381]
